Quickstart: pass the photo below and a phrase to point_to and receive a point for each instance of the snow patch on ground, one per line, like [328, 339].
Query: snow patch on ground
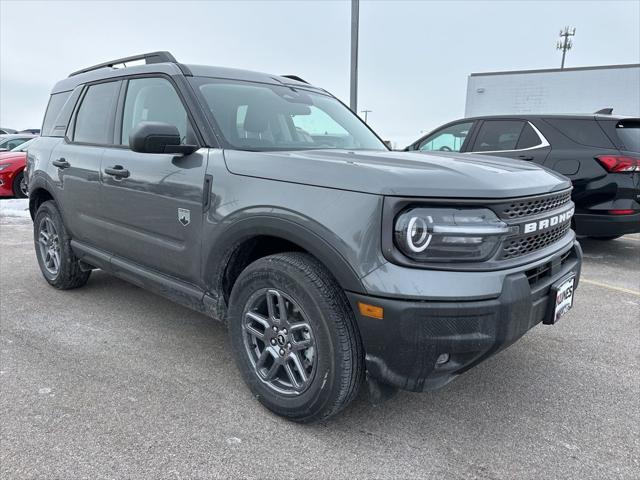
[14, 210]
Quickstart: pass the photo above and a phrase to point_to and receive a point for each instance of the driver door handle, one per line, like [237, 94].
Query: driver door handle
[525, 157]
[61, 163]
[117, 171]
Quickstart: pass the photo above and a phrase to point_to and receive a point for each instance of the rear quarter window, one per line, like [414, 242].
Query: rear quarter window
[628, 132]
[56, 102]
[583, 131]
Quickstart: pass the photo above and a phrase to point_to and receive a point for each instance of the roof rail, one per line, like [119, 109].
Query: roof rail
[295, 77]
[152, 57]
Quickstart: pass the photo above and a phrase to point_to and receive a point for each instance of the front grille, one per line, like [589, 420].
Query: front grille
[524, 244]
[533, 206]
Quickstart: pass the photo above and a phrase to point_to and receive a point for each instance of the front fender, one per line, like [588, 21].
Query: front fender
[217, 256]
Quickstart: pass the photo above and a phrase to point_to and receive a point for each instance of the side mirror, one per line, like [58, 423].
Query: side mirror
[158, 137]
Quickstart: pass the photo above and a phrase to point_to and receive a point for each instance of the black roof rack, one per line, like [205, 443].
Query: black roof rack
[295, 77]
[152, 57]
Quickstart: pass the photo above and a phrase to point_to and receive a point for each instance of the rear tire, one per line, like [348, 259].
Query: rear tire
[19, 186]
[59, 265]
[265, 341]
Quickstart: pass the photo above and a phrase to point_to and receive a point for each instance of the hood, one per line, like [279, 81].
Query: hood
[8, 157]
[400, 173]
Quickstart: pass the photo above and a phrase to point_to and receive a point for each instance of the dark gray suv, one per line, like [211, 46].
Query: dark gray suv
[264, 202]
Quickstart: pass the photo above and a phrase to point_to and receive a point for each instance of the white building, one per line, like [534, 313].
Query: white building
[571, 90]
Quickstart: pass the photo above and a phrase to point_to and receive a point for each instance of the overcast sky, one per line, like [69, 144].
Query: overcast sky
[415, 56]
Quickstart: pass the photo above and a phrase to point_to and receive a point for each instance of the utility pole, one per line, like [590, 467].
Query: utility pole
[366, 114]
[565, 44]
[355, 13]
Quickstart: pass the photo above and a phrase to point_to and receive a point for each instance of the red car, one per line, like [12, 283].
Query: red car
[12, 163]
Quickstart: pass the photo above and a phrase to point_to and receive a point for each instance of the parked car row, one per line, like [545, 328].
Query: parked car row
[12, 163]
[8, 131]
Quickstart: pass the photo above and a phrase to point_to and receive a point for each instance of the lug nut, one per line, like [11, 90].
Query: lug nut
[288, 345]
[284, 331]
[273, 341]
[281, 352]
[275, 329]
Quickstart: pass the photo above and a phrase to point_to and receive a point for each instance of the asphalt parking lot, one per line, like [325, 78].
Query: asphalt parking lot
[110, 381]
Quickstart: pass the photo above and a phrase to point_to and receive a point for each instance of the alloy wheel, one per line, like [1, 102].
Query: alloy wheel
[279, 341]
[49, 244]
[24, 190]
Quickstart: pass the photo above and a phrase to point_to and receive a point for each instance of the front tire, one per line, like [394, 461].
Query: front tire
[294, 337]
[59, 265]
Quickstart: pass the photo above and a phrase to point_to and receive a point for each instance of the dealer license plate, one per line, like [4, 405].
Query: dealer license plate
[561, 299]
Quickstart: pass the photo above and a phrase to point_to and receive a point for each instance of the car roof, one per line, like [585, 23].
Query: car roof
[169, 68]
[533, 116]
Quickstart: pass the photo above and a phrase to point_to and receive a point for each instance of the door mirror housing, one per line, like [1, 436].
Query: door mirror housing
[158, 137]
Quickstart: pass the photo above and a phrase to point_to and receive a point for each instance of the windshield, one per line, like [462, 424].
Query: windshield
[255, 116]
[11, 142]
[23, 147]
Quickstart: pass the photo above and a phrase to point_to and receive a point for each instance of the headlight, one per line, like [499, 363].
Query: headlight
[449, 234]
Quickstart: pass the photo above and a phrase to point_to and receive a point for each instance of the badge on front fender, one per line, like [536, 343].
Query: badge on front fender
[184, 216]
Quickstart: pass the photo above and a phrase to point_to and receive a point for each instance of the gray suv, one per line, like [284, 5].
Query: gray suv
[264, 202]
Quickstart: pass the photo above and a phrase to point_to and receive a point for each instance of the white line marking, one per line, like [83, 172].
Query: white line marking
[611, 287]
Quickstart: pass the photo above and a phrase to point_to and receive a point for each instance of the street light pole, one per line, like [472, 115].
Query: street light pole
[355, 13]
[366, 114]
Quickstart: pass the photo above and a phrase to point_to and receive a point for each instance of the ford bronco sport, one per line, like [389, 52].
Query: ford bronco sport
[264, 202]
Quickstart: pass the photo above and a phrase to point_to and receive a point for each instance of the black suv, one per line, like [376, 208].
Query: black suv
[264, 202]
[599, 153]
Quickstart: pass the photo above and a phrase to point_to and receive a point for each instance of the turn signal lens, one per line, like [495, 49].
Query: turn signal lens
[619, 164]
[372, 311]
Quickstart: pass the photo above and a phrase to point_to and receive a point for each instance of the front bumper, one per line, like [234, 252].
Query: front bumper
[6, 182]
[402, 349]
[604, 225]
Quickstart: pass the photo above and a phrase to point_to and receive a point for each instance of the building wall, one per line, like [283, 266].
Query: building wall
[579, 90]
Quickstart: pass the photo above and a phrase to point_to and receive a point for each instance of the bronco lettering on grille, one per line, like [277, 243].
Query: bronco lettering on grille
[548, 222]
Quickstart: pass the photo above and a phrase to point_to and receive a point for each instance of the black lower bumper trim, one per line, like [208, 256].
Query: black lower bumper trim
[403, 349]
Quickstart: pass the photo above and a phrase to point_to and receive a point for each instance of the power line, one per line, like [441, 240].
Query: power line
[566, 43]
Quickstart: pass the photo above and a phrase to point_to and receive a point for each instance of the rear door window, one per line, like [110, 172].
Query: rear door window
[498, 135]
[628, 132]
[94, 120]
[528, 138]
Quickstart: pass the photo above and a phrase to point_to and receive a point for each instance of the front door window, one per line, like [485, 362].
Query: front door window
[449, 139]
